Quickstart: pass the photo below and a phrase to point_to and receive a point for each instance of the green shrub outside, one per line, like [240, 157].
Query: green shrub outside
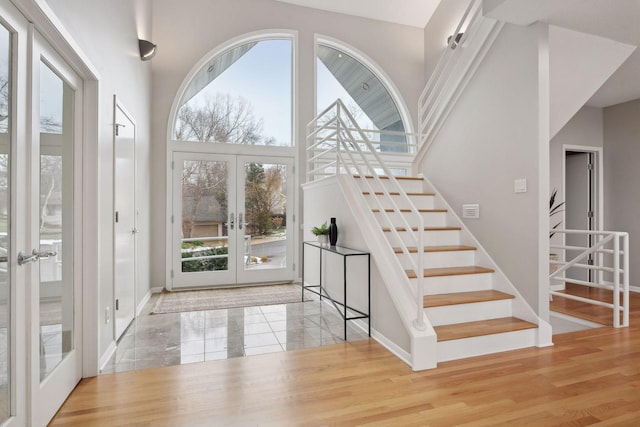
[206, 264]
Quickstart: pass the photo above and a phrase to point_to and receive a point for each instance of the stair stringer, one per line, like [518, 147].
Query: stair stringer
[520, 308]
[423, 343]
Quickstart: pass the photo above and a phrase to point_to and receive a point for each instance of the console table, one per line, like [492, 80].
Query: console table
[343, 308]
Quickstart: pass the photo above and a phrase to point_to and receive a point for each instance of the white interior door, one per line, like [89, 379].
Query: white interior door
[54, 260]
[124, 220]
[231, 220]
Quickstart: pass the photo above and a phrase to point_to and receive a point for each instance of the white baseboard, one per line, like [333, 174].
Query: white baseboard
[394, 348]
[635, 289]
[382, 339]
[156, 290]
[107, 355]
[144, 301]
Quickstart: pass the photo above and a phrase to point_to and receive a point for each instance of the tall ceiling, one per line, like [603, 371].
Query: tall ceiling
[415, 13]
[615, 19]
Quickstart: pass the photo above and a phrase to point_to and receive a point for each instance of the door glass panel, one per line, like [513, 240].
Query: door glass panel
[265, 216]
[5, 203]
[55, 220]
[205, 233]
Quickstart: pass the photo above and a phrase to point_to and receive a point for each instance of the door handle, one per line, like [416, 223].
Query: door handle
[240, 221]
[35, 256]
[231, 221]
[24, 259]
[134, 230]
[43, 254]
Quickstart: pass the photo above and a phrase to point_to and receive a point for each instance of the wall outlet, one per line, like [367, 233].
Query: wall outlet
[107, 315]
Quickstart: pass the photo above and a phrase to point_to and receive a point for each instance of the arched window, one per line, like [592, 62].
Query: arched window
[242, 95]
[341, 75]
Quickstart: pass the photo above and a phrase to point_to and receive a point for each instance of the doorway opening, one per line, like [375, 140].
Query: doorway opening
[582, 190]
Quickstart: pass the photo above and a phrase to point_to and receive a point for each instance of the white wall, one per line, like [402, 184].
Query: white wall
[579, 65]
[491, 138]
[108, 32]
[621, 194]
[323, 201]
[186, 31]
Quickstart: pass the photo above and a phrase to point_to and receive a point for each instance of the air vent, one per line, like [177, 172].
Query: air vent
[471, 211]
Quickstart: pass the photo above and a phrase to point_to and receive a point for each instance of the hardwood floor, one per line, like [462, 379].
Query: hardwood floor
[588, 377]
[593, 313]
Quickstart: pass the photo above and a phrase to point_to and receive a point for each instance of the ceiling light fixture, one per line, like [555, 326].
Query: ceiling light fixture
[147, 49]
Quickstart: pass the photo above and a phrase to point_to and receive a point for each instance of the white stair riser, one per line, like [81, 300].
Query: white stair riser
[453, 284]
[439, 259]
[430, 238]
[408, 185]
[431, 219]
[420, 202]
[486, 344]
[473, 312]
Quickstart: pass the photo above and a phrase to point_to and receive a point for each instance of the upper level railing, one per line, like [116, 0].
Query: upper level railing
[466, 48]
[605, 254]
[337, 145]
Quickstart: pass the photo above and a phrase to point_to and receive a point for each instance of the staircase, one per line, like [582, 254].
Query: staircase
[451, 297]
[470, 317]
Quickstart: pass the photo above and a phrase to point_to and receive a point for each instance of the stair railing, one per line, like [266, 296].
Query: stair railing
[612, 257]
[338, 145]
[465, 50]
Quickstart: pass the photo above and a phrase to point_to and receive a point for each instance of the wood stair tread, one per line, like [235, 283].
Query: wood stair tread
[481, 328]
[406, 178]
[450, 271]
[404, 229]
[396, 193]
[441, 300]
[453, 248]
[409, 210]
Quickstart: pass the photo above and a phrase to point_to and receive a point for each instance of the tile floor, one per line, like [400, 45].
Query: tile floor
[153, 341]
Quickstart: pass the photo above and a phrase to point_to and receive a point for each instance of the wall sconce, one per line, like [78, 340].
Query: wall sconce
[456, 42]
[147, 49]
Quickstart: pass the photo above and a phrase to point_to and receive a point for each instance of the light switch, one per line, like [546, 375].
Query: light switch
[520, 185]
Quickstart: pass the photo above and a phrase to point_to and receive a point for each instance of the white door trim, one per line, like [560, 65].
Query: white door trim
[599, 179]
[19, 323]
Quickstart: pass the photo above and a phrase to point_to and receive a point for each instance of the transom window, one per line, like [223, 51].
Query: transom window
[340, 75]
[241, 96]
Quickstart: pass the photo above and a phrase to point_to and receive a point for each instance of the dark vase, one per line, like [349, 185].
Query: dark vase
[333, 232]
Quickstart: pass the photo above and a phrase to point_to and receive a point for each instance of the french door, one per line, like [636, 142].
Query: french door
[40, 106]
[232, 220]
[52, 214]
